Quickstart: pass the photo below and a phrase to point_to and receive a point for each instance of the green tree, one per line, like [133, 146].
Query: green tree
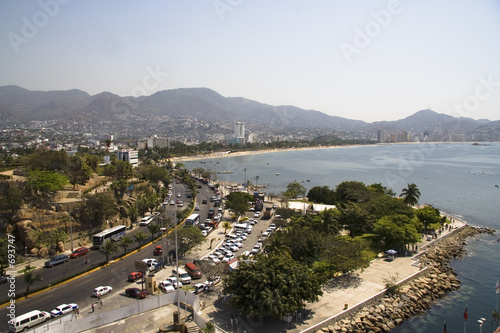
[30, 277]
[329, 223]
[125, 243]
[322, 194]
[140, 237]
[47, 160]
[354, 219]
[96, 208]
[410, 195]
[188, 237]
[344, 255]
[46, 181]
[132, 214]
[396, 231]
[78, 171]
[226, 225]
[238, 202]
[153, 229]
[284, 287]
[352, 191]
[13, 199]
[428, 215]
[109, 247]
[119, 187]
[294, 190]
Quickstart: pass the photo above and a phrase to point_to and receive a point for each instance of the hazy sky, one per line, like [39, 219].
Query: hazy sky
[368, 60]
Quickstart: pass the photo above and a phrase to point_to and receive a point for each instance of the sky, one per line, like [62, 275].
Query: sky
[364, 60]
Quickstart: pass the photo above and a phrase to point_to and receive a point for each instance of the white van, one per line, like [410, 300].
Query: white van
[28, 320]
[231, 236]
[243, 227]
[183, 276]
[146, 220]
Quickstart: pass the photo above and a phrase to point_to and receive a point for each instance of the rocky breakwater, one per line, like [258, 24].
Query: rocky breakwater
[416, 296]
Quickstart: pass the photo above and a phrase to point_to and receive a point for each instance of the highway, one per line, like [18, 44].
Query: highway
[79, 290]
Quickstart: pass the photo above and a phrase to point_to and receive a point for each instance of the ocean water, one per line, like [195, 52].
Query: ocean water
[460, 179]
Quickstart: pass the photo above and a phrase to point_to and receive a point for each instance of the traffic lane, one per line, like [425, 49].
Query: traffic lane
[51, 275]
[79, 290]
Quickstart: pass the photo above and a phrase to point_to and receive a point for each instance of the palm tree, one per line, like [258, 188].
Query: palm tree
[153, 229]
[411, 194]
[109, 247]
[30, 277]
[226, 225]
[140, 237]
[126, 242]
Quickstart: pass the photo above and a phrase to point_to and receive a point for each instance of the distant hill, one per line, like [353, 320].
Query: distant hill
[206, 105]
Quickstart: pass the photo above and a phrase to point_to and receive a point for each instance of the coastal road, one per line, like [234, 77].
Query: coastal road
[81, 288]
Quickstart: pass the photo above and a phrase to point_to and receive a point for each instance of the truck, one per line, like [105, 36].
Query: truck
[268, 212]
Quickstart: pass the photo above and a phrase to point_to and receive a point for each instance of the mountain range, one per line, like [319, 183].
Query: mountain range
[19, 105]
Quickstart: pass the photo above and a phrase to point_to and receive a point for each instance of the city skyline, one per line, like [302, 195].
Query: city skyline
[371, 61]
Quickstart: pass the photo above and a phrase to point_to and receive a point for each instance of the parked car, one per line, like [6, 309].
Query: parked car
[256, 249]
[136, 293]
[175, 282]
[63, 309]
[257, 214]
[134, 276]
[228, 257]
[180, 204]
[56, 260]
[167, 286]
[102, 290]
[172, 202]
[204, 202]
[275, 206]
[197, 208]
[79, 252]
[199, 288]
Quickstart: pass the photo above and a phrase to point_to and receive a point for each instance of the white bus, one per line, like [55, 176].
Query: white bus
[193, 220]
[115, 234]
[243, 227]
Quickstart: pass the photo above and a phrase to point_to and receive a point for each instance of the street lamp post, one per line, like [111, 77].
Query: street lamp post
[481, 322]
[71, 231]
[162, 236]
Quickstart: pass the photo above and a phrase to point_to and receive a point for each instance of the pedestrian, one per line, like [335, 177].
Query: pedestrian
[219, 294]
[236, 321]
[100, 303]
[92, 306]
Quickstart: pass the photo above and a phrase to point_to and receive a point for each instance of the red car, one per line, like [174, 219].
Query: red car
[134, 276]
[158, 251]
[79, 252]
[136, 293]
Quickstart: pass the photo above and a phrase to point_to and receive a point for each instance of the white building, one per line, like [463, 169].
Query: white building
[127, 155]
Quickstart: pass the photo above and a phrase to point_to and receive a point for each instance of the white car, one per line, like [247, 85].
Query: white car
[257, 214]
[102, 290]
[234, 248]
[63, 309]
[176, 284]
[228, 258]
[166, 286]
[256, 249]
[239, 244]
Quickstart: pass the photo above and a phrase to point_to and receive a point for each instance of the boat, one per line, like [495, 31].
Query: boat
[277, 173]
[224, 172]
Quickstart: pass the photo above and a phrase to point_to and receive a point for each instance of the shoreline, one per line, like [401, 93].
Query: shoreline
[416, 294]
[278, 150]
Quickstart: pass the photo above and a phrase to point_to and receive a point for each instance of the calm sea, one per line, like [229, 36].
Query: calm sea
[460, 179]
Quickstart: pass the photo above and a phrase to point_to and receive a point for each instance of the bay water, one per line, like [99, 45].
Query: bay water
[460, 179]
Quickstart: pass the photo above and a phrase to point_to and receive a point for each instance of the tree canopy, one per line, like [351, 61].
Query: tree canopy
[410, 195]
[284, 287]
[294, 190]
[238, 202]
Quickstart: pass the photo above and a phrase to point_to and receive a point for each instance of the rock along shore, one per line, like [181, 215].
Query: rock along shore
[416, 296]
